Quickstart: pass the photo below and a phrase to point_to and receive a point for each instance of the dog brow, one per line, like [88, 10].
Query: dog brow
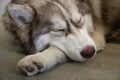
[62, 10]
[59, 5]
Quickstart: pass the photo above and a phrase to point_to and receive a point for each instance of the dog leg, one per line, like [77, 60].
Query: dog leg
[41, 62]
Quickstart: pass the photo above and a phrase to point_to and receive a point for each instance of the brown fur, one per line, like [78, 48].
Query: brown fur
[106, 18]
[106, 12]
[71, 37]
[44, 10]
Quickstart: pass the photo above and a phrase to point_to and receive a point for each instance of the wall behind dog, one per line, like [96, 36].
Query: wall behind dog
[2, 6]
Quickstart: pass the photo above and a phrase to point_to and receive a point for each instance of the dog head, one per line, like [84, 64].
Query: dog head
[65, 24]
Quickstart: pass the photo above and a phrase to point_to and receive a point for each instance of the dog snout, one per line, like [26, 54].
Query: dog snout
[88, 52]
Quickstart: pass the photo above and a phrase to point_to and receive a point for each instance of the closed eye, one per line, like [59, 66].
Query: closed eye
[62, 30]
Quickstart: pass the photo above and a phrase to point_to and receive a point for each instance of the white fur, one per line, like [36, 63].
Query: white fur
[65, 13]
[76, 43]
[73, 12]
[76, 16]
[58, 22]
[89, 23]
[41, 41]
[81, 39]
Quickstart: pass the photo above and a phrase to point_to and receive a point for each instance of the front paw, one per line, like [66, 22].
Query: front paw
[30, 65]
[41, 62]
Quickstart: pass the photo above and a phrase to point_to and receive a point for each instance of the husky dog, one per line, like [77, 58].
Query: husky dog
[75, 28]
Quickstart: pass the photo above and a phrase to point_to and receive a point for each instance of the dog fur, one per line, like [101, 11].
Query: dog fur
[68, 25]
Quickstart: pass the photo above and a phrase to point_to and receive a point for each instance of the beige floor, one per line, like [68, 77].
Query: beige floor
[105, 66]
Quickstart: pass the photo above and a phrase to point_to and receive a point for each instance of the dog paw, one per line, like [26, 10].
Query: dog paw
[40, 62]
[30, 65]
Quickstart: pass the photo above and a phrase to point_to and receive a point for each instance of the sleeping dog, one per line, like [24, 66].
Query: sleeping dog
[54, 29]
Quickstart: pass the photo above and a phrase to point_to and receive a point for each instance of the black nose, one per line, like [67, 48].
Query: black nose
[88, 52]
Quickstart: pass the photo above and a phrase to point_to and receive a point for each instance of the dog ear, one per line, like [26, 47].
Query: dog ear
[21, 14]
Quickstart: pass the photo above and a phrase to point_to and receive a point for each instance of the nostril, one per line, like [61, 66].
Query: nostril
[88, 52]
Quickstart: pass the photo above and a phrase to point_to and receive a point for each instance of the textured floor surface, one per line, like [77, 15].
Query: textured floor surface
[105, 66]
